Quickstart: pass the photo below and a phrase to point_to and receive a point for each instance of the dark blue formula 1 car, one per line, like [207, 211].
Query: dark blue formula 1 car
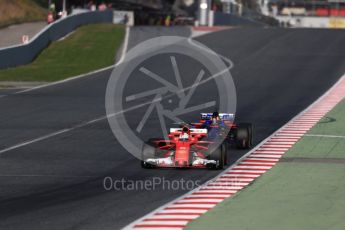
[222, 126]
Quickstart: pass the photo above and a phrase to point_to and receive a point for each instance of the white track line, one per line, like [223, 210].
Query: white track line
[44, 137]
[80, 125]
[321, 135]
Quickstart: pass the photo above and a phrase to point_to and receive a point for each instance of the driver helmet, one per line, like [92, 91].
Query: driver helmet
[184, 136]
[215, 118]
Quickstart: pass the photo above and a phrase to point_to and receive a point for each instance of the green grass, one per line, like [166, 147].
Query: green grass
[91, 47]
[292, 195]
[332, 124]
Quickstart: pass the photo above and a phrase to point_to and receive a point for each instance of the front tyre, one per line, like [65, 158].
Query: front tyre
[148, 152]
[218, 156]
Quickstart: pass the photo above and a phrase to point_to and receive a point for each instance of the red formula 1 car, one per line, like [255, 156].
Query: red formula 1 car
[186, 148]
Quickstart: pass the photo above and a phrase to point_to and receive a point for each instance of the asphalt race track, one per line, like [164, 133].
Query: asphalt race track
[57, 183]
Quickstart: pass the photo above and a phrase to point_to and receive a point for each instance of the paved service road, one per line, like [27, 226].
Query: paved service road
[12, 35]
[56, 183]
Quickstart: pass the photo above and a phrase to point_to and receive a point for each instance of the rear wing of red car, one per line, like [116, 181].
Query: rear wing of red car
[192, 131]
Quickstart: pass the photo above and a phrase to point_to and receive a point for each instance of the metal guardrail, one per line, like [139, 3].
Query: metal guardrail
[23, 54]
[222, 19]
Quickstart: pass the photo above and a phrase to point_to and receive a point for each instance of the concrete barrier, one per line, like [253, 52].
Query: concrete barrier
[23, 54]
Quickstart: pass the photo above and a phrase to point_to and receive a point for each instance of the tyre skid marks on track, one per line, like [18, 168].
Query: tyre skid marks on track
[177, 214]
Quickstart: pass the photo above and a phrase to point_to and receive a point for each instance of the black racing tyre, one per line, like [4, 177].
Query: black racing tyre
[250, 132]
[225, 152]
[146, 153]
[158, 152]
[242, 137]
[152, 140]
[218, 155]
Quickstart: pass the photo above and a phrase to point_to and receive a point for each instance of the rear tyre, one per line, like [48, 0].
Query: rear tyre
[225, 152]
[250, 132]
[152, 141]
[146, 153]
[243, 137]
